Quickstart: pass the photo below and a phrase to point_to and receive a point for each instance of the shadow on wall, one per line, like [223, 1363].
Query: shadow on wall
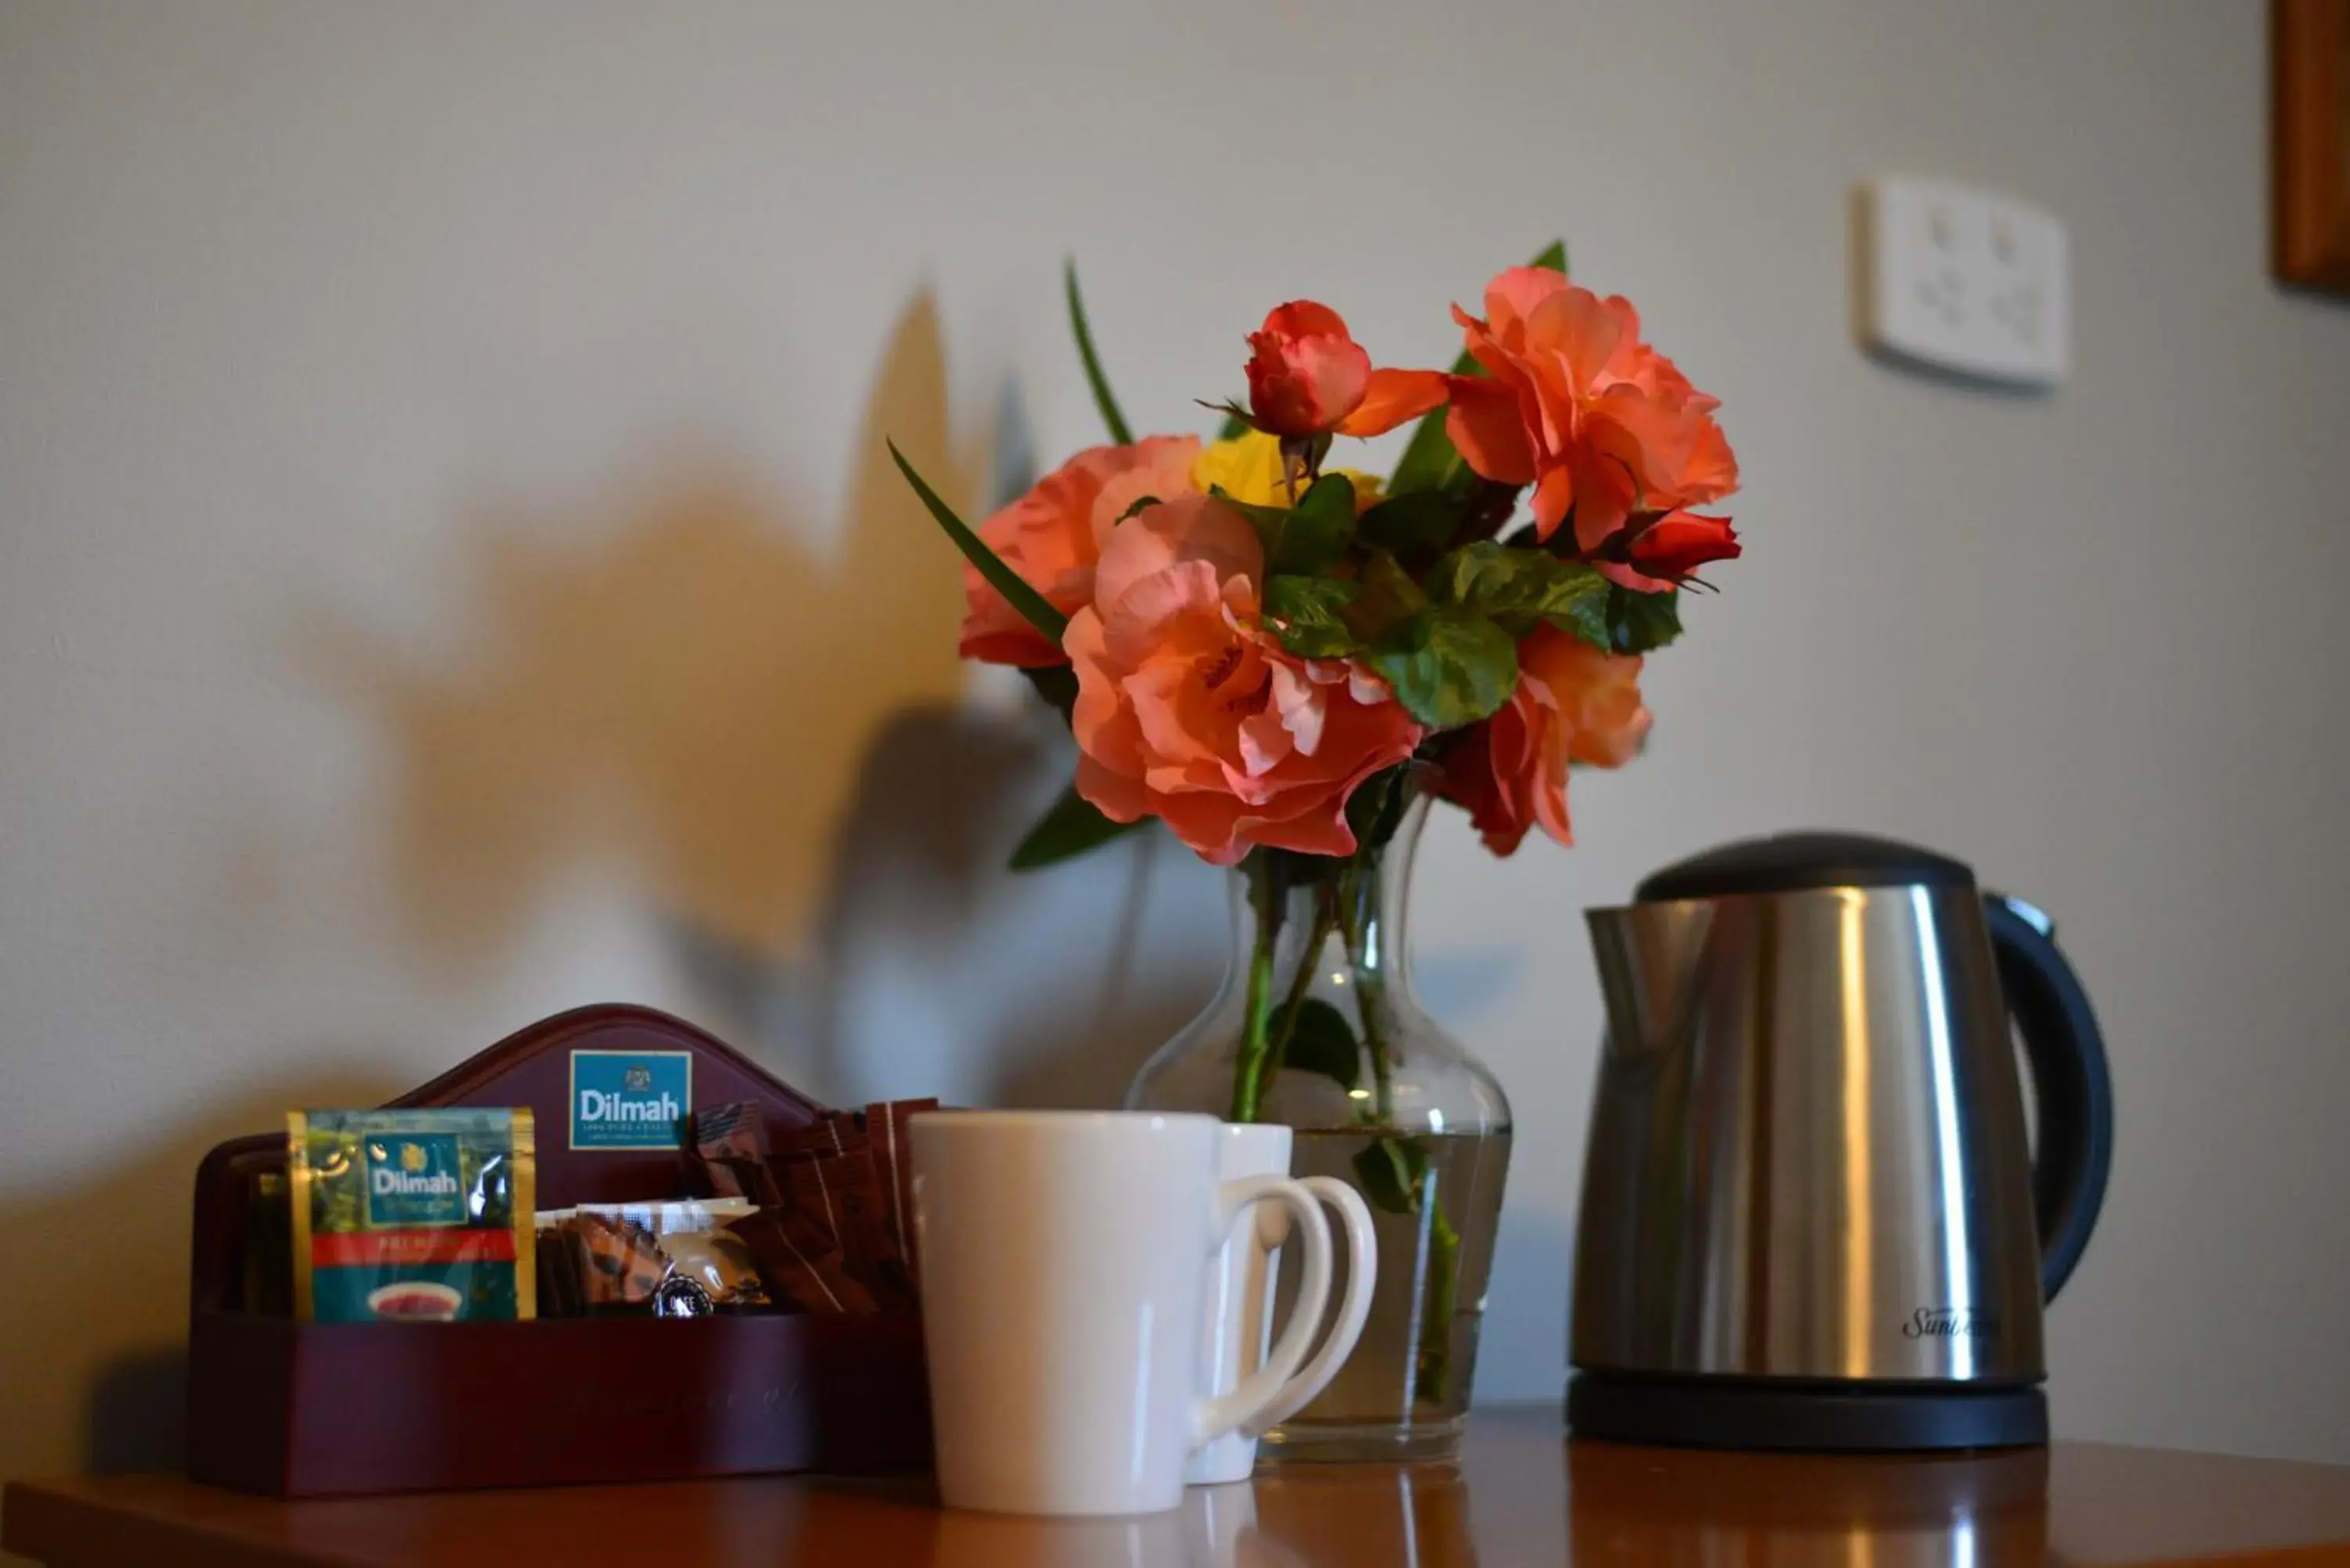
[118, 1377]
[694, 693]
[1090, 1051]
[770, 739]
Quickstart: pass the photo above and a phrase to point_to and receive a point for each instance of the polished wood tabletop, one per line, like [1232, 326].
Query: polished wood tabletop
[1520, 1494]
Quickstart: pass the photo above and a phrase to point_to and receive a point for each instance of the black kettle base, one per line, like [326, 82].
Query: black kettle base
[1821, 1417]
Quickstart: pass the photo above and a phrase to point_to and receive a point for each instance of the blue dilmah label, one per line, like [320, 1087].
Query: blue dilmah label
[413, 1179]
[629, 1099]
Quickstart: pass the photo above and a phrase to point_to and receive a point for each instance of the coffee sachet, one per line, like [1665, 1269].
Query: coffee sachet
[885, 1134]
[798, 1263]
[617, 1262]
[839, 1189]
[671, 1259]
[730, 1146]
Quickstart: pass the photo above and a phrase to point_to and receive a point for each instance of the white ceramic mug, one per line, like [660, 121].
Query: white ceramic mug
[1238, 1325]
[1064, 1258]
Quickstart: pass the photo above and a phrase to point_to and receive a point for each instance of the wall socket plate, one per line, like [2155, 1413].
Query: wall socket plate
[1964, 280]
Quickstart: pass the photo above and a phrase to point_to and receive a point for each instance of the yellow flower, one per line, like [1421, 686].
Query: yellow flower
[1248, 469]
[1366, 488]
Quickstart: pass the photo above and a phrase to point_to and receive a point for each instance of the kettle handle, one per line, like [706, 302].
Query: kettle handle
[2076, 1095]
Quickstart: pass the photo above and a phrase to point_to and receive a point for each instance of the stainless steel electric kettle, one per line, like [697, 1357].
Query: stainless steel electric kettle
[1812, 1216]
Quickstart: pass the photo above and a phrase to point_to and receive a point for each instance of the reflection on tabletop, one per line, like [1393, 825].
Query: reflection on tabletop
[1302, 1517]
[1520, 1494]
[1623, 1506]
[1632, 1505]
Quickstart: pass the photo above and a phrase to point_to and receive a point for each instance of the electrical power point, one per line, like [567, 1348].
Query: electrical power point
[1965, 281]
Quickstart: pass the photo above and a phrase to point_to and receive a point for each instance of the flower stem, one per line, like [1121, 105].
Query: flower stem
[1432, 1370]
[1370, 994]
[1308, 961]
[1372, 990]
[1248, 1077]
[1433, 1362]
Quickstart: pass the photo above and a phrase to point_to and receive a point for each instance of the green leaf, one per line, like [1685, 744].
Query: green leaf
[1056, 684]
[1576, 601]
[1074, 825]
[1103, 399]
[1325, 515]
[1309, 537]
[1323, 1041]
[1638, 622]
[1291, 869]
[1448, 666]
[1384, 596]
[1554, 256]
[1429, 459]
[1034, 608]
[1418, 524]
[1516, 587]
[1390, 1172]
[1375, 809]
[1140, 504]
[1308, 614]
[1232, 429]
[1485, 578]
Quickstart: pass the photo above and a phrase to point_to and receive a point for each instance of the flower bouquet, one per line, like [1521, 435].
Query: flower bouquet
[1283, 659]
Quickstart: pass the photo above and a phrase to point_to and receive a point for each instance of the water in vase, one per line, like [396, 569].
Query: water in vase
[1404, 1392]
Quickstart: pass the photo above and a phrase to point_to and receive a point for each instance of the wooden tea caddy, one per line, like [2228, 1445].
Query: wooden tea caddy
[304, 1410]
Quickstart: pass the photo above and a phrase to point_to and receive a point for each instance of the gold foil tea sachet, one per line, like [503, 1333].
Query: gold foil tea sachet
[412, 1216]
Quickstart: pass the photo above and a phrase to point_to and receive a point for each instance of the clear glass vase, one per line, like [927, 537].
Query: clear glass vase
[1317, 1027]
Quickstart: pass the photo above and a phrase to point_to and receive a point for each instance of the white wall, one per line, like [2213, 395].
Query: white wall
[444, 574]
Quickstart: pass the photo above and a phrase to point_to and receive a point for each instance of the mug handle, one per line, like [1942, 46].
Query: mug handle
[1263, 1388]
[1353, 1307]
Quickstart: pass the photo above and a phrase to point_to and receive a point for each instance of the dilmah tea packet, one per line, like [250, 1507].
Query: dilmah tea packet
[412, 1216]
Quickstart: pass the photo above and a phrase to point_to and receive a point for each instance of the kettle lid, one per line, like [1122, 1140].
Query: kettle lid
[1793, 862]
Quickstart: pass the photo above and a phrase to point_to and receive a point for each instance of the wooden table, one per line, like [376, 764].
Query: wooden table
[1520, 1495]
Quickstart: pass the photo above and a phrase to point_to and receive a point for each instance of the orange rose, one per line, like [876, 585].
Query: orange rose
[1188, 711]
[1052, 535]
[1575, 405]
[1306, 376]
[1573, 704]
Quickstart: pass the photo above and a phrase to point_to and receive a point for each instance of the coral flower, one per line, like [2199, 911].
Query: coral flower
[1573, 704]
[1188, 710]
[1308, 377]
[1052, 535]
[1578, 406]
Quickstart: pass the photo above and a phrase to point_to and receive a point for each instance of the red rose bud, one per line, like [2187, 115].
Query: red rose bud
[1668, 552]
[1308, 377]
